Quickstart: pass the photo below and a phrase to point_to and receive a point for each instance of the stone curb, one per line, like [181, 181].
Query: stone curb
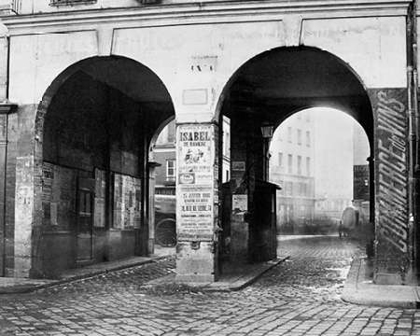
[30, 287]
[248, 279]
[232, 284]
[359, 291]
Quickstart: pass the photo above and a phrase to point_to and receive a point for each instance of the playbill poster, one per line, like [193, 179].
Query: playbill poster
[196, 152]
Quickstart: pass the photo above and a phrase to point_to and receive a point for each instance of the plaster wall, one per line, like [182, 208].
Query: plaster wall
[196, 61]
[36, 60]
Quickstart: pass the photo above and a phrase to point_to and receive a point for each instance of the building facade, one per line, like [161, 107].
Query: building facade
[85, 87]
[292, 162]
[334, 172]
[314, 156]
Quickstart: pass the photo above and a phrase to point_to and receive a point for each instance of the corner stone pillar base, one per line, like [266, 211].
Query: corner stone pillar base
[195, 262]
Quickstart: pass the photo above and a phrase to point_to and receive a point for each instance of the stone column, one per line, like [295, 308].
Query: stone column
[394, 260]
[5, 109]
[197, 202]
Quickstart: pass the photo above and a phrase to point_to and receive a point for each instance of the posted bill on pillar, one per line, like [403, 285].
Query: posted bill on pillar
[195, 191]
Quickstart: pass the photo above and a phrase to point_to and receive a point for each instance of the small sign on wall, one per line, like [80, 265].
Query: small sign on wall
[239, 203]
[238, 165]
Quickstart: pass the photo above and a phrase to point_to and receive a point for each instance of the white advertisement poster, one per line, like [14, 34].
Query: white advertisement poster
[195, 216]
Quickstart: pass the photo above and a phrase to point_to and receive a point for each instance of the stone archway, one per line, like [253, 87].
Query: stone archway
[85, 195]
[272, 86]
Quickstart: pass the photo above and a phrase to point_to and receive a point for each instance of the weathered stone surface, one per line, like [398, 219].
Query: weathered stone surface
[298, 297]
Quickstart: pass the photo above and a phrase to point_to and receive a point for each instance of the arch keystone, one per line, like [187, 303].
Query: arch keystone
[292, 30]
[105, 36]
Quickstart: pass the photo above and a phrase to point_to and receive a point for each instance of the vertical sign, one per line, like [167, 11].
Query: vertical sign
[195, 177]
[392, 169]
[393, 237]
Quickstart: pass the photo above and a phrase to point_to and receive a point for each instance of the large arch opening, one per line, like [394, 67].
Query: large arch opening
[262, 94]
[320, 158]
[95, 125]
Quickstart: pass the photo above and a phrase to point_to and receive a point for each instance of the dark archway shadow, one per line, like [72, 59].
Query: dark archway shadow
[93, 130]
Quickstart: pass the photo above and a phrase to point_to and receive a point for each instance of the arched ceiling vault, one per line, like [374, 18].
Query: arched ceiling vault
[277, 83]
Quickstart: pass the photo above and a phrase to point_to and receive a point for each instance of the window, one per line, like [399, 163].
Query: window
[280, 159]
[289, 134]
[299, 137]
[70, 2]
[304, 189]
[299, 188]
[290, 164]
[226, 140]
[171, 132]
[170, 170]
[279, 135]
[289, 188]
[308, 166]
[299, 165]
[85, 202]
[308, 139]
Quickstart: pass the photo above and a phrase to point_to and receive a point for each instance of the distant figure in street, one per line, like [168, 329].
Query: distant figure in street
[349, 221]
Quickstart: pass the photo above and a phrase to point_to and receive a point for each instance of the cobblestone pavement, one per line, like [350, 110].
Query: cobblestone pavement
[298, 297]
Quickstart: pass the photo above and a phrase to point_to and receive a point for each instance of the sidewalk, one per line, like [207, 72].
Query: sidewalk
[360, 290]
[15, 286]
[232, 279]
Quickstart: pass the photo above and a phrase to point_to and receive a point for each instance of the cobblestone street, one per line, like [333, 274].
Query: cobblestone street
[298, 297]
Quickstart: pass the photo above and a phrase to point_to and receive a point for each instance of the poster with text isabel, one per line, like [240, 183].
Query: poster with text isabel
[195, 217]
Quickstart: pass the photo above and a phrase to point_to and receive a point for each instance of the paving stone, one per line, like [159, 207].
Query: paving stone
[298, 297]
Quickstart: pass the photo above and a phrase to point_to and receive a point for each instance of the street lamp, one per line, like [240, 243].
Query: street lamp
[267, 131]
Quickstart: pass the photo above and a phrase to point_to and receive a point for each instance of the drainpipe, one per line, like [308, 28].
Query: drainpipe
[416, 132]
[5, 109]
[3, 151]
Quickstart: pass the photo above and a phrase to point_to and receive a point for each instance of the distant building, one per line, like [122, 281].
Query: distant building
[334, 163]
[317, 156]
[360, 164]
[361, 175]
[165, 173]
[292, 167]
